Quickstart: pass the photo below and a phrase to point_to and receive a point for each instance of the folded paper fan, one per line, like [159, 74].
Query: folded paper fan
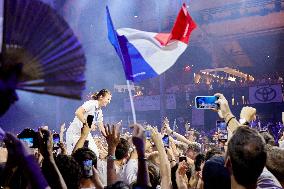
[40, 53]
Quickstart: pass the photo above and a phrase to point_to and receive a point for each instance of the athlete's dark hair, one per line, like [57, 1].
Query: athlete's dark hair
[102, 93]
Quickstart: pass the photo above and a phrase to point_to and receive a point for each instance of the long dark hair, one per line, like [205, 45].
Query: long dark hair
[103, 92]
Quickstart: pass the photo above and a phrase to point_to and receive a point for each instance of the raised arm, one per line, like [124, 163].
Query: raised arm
[225, 113]
[49, 166]
[25, 159]
[170, 132]
[85, 130]
[247, 115]
[138, 139]
[165, 167]
[96, 179]
[61, 133]
[174, 147]
[112, 136]
[181, 178]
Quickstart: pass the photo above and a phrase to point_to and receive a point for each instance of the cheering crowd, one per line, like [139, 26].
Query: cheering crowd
[146, 158]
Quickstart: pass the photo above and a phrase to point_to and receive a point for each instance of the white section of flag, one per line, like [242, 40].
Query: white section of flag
[159, 57]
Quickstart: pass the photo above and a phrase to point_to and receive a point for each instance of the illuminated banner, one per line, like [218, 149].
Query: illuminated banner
[146, 103]
[265, 94]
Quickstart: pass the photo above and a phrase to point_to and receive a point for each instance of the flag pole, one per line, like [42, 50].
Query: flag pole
[131, 102]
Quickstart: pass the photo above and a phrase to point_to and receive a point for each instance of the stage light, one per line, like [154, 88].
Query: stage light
[231, 78]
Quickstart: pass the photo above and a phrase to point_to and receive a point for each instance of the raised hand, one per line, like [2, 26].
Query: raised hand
[45, 143]
[166, 126]
[157, 138]
[62, 128]
[182, 168]
[181, 178]
[138, 138]
[187, 126]
[224, 109]
[166, 121]
[3, 155]
[112, 135]
[248, 113]
[85, 130]
[96, 178]
[38, 157]
[61, 133]
[63, 148]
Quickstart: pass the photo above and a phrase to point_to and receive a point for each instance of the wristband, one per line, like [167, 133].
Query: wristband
[230, 120]
[110, 157]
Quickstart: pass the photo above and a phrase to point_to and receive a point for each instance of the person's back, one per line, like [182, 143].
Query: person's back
[267, 180]
[246, 157]
[275, 162]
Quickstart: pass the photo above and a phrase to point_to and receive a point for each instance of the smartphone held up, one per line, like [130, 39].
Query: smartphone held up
[29, 137]
[56, 141]
[206, 102]
[88, 168]
[222, 131]
[166, 141]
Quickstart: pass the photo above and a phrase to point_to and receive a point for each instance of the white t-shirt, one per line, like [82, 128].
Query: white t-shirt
[127, 173]
[267, 180]
[92, 108]
[73, 133]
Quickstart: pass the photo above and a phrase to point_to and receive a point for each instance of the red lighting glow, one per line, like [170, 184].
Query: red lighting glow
[187, 68]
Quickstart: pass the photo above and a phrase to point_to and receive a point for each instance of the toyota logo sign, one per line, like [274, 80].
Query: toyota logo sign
[265, 94]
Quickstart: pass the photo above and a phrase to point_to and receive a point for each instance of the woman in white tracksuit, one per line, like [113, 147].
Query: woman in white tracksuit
[90, 107]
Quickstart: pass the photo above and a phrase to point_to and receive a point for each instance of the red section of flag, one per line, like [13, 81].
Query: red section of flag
[184, 25]
[182, 29]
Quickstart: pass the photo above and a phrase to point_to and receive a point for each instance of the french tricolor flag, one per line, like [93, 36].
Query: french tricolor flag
[146, 54]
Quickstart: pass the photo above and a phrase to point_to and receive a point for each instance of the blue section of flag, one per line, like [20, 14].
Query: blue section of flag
[135, 67]
[113, 38]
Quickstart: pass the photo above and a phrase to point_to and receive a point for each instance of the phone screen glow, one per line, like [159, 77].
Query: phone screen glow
[222, 130]
[28, 141]
[205, 102]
